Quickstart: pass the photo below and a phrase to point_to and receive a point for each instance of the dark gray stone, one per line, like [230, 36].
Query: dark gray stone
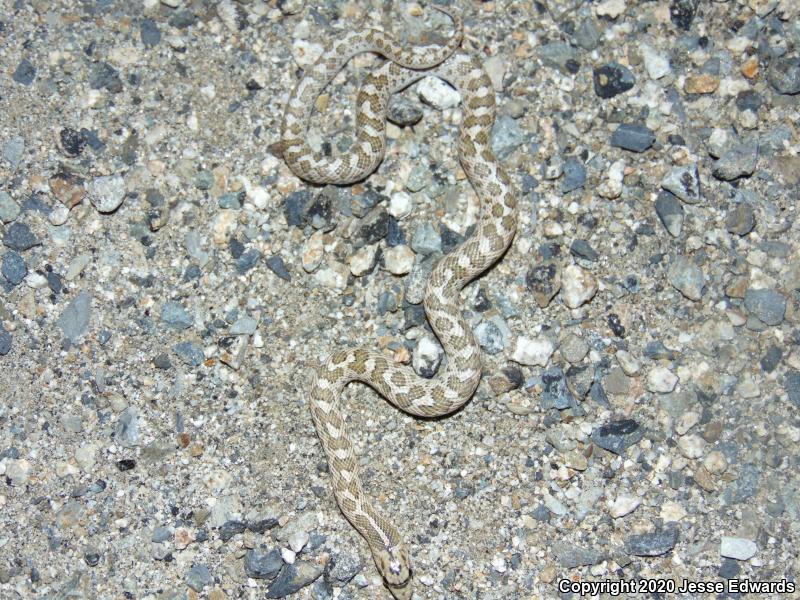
[612, 79]
[149, 33]
[670, 212]
[560, 55]
[741, 219]
[189, 353]
[403, 112]
[617, 436]
[633, 137]
[293, 578]
[792, 385]
[13, 268]
[230, 529]
[507, 136]
[682, 12]
[174, 315]
[5, 341]
[260, 563]
[784, 75]
[574, 175]
[739, 161]
[198, 577]
[652, 544]
[276, 265]
[768, 305]
[570, 556]
[247, 261]
[555, 393]
[25, 72]
[104, 76]
[345, 567]
[19, 237]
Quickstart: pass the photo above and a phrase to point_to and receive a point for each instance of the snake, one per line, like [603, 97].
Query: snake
[460, 374]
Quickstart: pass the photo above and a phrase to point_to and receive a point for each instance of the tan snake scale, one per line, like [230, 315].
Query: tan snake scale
[456, 382]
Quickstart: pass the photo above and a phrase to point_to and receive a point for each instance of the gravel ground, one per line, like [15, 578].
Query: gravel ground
[167, 282]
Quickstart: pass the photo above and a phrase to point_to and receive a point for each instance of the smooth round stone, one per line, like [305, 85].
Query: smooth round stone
[399, 260]
[107, 193]
[661, 380]
[691, 446]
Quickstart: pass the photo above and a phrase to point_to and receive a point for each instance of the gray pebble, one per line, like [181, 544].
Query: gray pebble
[582, 249]
[745, 486]
[161, 534]
[230, 529]
[13, 267]
[247, 260]
[739, 161]
[260, 563]
[203, 180]
[670, 212]
[426, 240]
[19, 237]
[419, 178]
[276, 265]
[506, 136]
[403, 112]
[5, 341]
[127, 427]
[189, 353]
[767, 305]
[149, 33]
[586, 35]
[570, 556]
[293, 578]
[9, 210]
[231, 200]
[773, 141]
[25, 72]
[174, 315]
[244, 326]
[741, 220]
[107, 193]
[652, 544]
[13, 150]
[684, 182]
[161, 361]
[559, 55]
[103, 75]
[791, 384]
[633, 136]
[345, 567]
[617, 436]
[784, 75]
[574, 175]
[687, 278]
[489, 336]
[74, 320]
[198, 577]
[554, 390]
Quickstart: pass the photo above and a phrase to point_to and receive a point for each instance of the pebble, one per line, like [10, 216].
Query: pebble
[687, 278]
[247, 261]
[574, 349]
[656, 63]
[74, 319]
[683, 182]
[198, 577]
[25, 72]
[18, 471]
[490, 337]
[400, 205]
[403, 112]
[244, 325]
[344, 567]
[427, 357]
[13, 268]
[107, 193]
[738, 548]
[19, 237]
[13, 150]
[616, 436]
[561, 56]
[298, 540]
[532, 351]
[578, 286]
[260, 563]
[784, 75]
[399, 260]
[682, 12]
[189, 353]
[612, 79]
[652, 544]
[544, 281]
[363, 260]
[670, 212]
[293, 578]
[374, 226]
[58, 216]
[507, 136]
[174, 315]
[574, 175]
[586, 35]
[426, 240]
[661, 380]
[767, 305]
[5, 341]
[691, 446]
[633, 136]
[149, 33]
[741, 220]
[9, 210]
[701, 84]
[276, 265]
[437, 93]
[715, 462]
[623, 505]
[739, 161]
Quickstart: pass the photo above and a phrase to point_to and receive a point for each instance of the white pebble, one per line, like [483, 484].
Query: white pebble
[313, 252]
[363, 260]
[691, 446]
[577, 286]
[437, 93]
[107, 193]
[661, 380]
[532, 352]
[400, 205]
[298, 540]
[672, 511]
[333, 276]
[622, 506]
[58, 216]
[399, 259]
[686, 421]
[288, 556]
[738, 548]
[656, 64]
[715, 462]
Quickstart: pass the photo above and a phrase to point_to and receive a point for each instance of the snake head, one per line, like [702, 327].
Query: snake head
[395, 566]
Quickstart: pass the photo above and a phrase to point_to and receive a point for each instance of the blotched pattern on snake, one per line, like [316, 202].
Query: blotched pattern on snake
[456, 382]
